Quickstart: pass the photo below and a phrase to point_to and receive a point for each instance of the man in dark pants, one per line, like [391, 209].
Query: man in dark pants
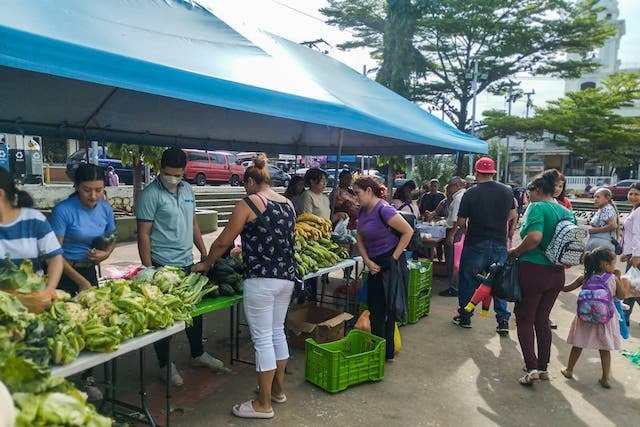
[485, 212]
[167, 231]
[456, 187]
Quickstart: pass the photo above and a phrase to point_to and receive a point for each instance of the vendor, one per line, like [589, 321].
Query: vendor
[167, 231]
[84, 224]
[343, 199]
[26, 234]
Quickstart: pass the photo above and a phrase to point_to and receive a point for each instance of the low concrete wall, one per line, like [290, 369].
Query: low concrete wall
[126, 225]
[46, 196]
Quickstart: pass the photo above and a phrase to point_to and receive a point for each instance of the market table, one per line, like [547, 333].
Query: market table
[209, 305]
[88, 360]
[342, 265]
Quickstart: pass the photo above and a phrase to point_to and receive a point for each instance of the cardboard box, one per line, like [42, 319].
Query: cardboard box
[320, 323]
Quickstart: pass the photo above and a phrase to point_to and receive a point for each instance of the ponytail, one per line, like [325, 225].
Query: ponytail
[15, 197]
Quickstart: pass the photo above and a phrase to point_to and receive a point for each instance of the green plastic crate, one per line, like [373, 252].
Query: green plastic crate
[419, 306]
[420, 278]
[355, 359]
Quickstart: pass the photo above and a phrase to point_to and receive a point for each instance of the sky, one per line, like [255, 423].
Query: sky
[300, 20]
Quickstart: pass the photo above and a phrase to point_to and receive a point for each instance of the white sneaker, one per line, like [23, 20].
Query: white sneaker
[176, 379]
[208, 361]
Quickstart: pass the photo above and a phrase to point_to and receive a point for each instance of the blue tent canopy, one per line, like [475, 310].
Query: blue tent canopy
[171, 72]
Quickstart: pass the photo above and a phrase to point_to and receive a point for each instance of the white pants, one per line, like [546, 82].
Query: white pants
[265, 306]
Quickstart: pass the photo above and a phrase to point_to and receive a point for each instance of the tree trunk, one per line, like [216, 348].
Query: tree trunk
[137, 181]
[391, 174]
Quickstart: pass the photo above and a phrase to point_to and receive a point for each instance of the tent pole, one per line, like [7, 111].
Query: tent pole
[334, 193]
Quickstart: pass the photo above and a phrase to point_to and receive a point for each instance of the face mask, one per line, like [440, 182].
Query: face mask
[170, 181]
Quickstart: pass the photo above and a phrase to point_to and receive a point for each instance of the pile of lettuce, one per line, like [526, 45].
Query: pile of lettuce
[21, 279]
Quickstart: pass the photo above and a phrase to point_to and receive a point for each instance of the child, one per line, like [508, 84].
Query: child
[599, 264]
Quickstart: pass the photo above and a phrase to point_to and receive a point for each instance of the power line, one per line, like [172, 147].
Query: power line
[298, 11]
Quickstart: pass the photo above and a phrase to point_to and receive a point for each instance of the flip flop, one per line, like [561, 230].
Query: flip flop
[245, 410]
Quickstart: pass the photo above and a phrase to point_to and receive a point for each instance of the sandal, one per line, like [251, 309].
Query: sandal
[274, 399]
[604, 384]
[529, 378]
[543, 375]
[567, 373]
[245, 410]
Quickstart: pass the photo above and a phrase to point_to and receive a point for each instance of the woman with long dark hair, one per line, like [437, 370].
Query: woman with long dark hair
[85, 225]
[540, 279]
[26, 234]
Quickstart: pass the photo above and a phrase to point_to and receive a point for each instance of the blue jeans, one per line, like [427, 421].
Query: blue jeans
[476, 258]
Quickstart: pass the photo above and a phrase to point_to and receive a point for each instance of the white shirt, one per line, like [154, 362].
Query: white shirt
[454, 206]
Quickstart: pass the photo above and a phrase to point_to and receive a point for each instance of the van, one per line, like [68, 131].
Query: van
[214, 167]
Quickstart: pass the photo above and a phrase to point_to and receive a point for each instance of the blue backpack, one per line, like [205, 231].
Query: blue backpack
[595, 302]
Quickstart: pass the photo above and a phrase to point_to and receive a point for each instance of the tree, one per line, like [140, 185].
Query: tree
[440, 167]
[137, 156]
[587, 122]
[505, 37]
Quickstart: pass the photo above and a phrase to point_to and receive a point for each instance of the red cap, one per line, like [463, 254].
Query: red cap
[485, 165]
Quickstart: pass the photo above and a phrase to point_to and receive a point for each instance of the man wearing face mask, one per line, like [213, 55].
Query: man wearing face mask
[167, 231]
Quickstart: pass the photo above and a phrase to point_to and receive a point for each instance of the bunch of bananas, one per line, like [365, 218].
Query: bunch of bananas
[312, 255]
[310, 226]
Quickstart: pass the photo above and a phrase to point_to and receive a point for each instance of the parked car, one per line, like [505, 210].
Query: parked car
[618, 191]
[279, 178]
[213, 166]
[79, 157]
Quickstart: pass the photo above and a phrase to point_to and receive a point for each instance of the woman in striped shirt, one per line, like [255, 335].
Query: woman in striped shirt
[26, 234]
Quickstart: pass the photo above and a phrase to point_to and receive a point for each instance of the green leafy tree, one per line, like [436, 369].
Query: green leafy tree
[504, 37]
[588, 122]
[137, 156]
[440, 167]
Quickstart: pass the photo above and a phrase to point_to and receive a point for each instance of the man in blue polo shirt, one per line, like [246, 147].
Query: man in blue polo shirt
[167, 231]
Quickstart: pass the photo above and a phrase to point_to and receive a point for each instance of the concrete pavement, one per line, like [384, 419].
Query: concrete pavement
[443, 376]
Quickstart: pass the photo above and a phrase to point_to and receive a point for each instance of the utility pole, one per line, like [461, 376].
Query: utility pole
[474, 88]
[506, 160]
[524, 142]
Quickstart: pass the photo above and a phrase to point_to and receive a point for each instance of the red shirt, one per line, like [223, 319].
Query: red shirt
[565, 202]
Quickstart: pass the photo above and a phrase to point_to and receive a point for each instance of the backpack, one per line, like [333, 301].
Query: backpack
[567, 244]
[595, 302]
[415, 244]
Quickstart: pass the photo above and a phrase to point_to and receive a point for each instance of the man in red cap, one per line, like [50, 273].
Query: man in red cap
[484, 215]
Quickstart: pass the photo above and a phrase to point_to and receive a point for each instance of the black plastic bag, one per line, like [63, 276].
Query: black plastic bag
[507, 284]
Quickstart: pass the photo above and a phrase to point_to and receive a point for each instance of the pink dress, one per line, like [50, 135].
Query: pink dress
[599, 337]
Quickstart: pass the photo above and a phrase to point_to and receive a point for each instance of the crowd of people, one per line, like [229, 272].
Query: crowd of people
[479, 213]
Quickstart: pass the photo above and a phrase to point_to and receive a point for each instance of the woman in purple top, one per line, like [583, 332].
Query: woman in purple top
[379, 244]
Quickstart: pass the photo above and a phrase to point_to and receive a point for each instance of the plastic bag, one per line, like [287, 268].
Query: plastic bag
[341, 227]
[633, 276]
[457, 255]
[364, 323]
[397, 340]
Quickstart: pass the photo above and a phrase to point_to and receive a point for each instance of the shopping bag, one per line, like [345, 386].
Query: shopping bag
[457, 255]
[397, 340]
[507, 284]
[633, 276]
[364, 323]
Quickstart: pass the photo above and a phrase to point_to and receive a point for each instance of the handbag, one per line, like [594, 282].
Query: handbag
[507, 283]
[617, 247]
[298, 283]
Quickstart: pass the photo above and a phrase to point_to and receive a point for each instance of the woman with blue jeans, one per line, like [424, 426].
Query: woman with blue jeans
[266, 221]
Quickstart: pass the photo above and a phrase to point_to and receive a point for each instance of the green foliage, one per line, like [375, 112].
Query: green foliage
[441, 167]
[504, 36]
[499, 124]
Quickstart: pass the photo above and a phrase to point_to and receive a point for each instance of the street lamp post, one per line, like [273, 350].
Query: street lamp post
[474, 90]
[510, 99]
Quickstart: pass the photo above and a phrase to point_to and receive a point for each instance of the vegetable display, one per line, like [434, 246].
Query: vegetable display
[313, 249]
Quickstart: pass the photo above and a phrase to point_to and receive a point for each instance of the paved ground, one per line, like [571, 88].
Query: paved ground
[444, 375]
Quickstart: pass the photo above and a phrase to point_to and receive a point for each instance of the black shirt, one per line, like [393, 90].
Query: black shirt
[429, 202]
[487, 206]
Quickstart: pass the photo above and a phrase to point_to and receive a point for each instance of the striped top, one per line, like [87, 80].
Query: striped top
[29, 236]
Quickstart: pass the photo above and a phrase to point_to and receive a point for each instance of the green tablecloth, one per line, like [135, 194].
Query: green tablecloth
[210, 305]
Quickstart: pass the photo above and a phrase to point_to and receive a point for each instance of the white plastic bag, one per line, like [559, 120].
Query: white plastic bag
[340, 228]
[633, 276]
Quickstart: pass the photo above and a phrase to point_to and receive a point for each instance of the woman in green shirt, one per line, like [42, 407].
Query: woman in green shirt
[540, 279]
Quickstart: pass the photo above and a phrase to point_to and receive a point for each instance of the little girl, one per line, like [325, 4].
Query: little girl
[603, 337]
